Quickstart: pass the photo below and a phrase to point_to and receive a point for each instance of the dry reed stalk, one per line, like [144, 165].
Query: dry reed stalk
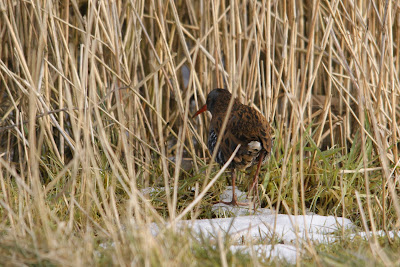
[95, 107]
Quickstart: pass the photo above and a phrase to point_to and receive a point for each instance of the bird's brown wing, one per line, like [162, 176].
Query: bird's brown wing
[249, 128]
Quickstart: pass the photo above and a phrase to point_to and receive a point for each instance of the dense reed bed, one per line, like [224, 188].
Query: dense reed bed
[96, 105]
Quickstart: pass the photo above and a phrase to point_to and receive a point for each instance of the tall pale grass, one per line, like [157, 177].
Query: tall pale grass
[96, 100]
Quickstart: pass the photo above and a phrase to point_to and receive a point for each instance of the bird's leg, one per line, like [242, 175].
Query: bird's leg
[234, 201]
[255, 181]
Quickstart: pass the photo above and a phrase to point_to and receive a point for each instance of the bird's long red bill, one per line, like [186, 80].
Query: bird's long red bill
[204, 108]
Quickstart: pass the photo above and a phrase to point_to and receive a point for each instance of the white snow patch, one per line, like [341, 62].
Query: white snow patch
[380, 233]
[262, 226]
[227, 195]
[281, 226]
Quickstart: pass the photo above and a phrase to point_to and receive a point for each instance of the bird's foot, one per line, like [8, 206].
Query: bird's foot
[234, 202]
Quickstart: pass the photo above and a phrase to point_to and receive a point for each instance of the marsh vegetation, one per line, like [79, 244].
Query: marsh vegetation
[96, 105]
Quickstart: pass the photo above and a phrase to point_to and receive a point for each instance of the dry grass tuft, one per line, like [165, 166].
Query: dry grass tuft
[96, 100]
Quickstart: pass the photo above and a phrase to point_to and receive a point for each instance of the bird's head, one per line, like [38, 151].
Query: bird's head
[216, 99]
